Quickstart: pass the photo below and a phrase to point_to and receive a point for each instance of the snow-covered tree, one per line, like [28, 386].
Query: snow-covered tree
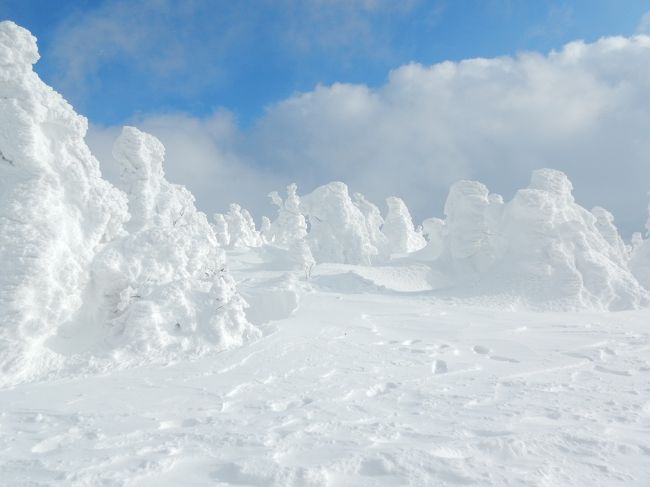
[470, 235]
[541, 246]
[220, 227]
[265, 230]
[290, 225]
[399, 229]
[165, 286]
[374, 224]
[240, 228]
[289, 229]
[56, 212]
[338, 231]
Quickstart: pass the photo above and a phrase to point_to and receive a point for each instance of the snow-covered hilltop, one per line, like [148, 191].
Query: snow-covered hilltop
[100, 277]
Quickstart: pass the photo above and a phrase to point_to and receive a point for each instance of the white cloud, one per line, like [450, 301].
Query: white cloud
[199, 153]
[583, 110]
[644, 24]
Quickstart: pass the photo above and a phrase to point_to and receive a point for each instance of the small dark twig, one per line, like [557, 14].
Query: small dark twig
[2, 156]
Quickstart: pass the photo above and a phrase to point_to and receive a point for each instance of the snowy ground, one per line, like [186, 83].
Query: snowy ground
[362, 386]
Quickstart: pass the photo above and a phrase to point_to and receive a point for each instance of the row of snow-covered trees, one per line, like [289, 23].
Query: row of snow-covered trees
[541, 247]
[327, 225]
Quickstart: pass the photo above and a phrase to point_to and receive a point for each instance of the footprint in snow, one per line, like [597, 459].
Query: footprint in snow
[481, 350]
[439, 367]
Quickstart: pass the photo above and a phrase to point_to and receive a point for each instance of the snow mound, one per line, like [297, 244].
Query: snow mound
[541, 248]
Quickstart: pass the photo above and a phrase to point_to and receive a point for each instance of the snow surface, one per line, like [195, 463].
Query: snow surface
[364, 387]
[140, 344]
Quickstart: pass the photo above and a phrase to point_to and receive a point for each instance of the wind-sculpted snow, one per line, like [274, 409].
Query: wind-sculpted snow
[79, 283]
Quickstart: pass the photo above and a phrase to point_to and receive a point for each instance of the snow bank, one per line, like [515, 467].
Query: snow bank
[80, 279]
[541, 248]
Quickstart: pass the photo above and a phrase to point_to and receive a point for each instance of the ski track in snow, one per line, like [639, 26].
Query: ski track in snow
[357, 389]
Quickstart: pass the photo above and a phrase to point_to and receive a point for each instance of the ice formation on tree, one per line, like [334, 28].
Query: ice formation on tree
[290, 224]
[541, 247]
[56, 210]
[220, 227]
[399, 229]
[289, 230]
[77, 273]
[640, 256]
[434, 232]
[236, 229]
[374, 224]
[165, 285]
[471, 214]
[338, 231]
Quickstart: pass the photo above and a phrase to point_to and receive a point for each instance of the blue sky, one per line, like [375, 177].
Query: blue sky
[116, 59]
[248, 96]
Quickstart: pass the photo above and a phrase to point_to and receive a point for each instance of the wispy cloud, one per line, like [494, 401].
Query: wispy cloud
[644, 24]
[153, 37]
[183, 47]
[558, 20]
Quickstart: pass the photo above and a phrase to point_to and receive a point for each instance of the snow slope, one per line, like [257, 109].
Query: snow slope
[362, 388]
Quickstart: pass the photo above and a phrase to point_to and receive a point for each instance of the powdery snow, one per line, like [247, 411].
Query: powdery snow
[364, 388]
